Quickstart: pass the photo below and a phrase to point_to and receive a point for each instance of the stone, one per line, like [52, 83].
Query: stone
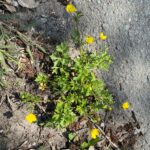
[28, 3]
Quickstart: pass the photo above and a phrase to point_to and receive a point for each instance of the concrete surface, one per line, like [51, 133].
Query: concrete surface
[127, 24]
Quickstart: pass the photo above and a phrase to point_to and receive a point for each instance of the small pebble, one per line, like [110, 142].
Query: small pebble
[15, 3]
[102, 124]
[1, 131]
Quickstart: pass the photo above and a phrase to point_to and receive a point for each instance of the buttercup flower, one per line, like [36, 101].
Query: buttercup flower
[110, 108]
[102, 36]
[125, 105]
[70, 8]
[89, 39]
[94, 133]
[42, 86]
[31, 118]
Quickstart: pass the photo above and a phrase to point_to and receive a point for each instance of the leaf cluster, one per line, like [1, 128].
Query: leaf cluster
[74, 80]
[42, 78]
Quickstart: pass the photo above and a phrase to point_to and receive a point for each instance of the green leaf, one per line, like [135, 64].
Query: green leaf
[71, 136]
[85, 145]
[30, 53]
[62, 48]
[2, 61]
[42, 78]
[77, 16]
[76, 37]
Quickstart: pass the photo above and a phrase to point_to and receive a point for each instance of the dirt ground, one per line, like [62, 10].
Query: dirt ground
[15, 132]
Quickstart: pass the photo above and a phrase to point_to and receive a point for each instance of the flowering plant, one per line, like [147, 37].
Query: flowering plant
[74, 80]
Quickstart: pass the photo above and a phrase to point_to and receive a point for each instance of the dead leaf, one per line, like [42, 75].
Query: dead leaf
[10, 8]
[8, 1]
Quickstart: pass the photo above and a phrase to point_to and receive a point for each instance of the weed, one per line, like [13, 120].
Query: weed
[86, 145]
[42, 78]
[81, 93]
[76, 89]
[30, 99]
[1, 80]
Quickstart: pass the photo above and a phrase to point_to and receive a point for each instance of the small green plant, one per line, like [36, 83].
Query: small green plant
[7, 49]
[7, 54]
[74, 80]
[92, 142]
[10, 49]
[2, 84]
[14, 45]
[42, 78]
[75, 34]
[30, 99]
[71, 136]
[81, 93]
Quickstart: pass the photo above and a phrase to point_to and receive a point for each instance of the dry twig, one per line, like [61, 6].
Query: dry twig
[103, 133]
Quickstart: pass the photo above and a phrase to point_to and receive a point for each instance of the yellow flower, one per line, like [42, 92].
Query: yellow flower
[125, 105]
[31, 118]
[102, 36]
[94, 133]
[89, 39]
[110, 108]
[70, 8]
[42, 86]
